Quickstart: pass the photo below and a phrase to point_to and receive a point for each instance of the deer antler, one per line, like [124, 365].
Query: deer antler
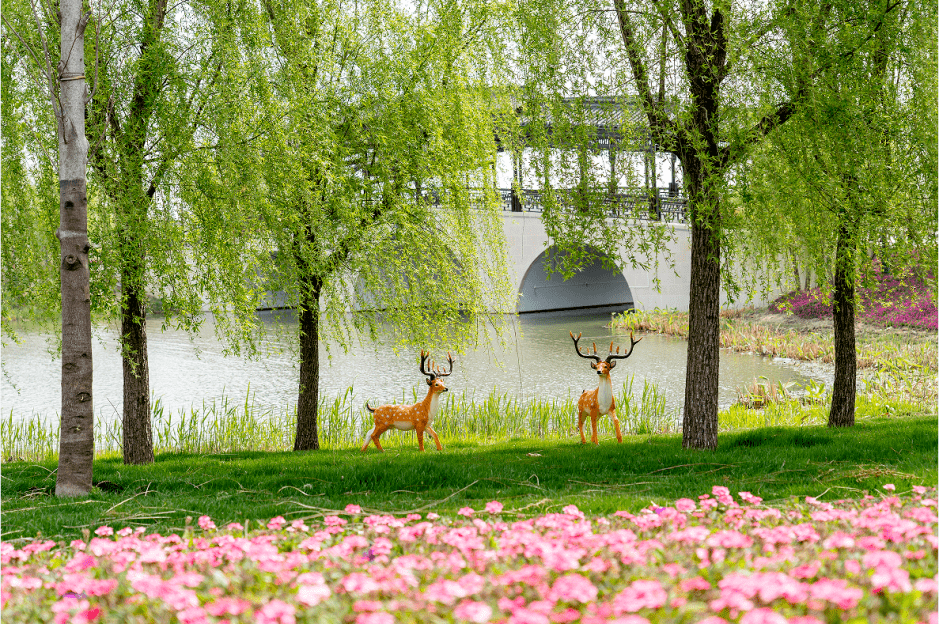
[612, 357]
[445, 374]
[435, 371]
[594, 357]
[431, 375]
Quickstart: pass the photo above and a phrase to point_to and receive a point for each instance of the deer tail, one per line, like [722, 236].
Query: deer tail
[369, 407]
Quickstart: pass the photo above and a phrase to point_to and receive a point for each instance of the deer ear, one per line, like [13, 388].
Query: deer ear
[429, 381]
[594, 365]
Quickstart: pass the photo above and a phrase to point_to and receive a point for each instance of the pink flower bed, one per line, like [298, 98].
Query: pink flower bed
[888, 300]
[712, 560]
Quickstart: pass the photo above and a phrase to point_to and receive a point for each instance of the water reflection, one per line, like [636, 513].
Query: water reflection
[538, 361]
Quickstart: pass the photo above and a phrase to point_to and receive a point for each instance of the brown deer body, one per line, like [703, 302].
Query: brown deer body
[600, 400]
[417, 417]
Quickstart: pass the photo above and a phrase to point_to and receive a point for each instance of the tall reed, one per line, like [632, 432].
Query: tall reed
[225, 426]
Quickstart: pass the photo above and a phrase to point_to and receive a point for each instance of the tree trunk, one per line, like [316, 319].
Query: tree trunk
[137, 434]
[795, 270]
[845, 388]
[699, 428]
[307, 438]
[76, 440]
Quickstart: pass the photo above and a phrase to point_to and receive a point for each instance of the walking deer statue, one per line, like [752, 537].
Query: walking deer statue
[600, 400]
[417, 417]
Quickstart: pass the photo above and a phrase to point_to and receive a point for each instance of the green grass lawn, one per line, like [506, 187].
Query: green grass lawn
[528, 476]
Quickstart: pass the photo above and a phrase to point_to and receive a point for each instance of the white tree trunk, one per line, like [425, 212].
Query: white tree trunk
[76, 444]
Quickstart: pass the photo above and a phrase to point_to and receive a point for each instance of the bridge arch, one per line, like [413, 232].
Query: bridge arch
[595, 288]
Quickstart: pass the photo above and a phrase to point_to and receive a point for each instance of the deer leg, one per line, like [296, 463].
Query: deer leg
[619, 435]
[580, 425]
[436, 439]
[378, 431]
[368, 438]
[594, 417]
[420, 439]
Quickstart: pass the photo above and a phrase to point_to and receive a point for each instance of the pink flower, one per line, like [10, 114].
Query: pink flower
[640, 594]
[466, 511]
[494, 507]
[312, 594]
[890, 487]
[762, 616]
[276, 523]
[685, 505]
[433, 516]
[227, 606]
[358, 583]
[234, 527]
[882, 559]
[206, 524]
[750, 498]
[573, 588]
[572, 510]
[471, 611]
[104, 531]
[353, 509]
[276, 612]
[374, 617]
[893, 579]
[837, 592]
[694, 584]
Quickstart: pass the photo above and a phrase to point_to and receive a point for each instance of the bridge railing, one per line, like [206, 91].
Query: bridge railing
[660, 205]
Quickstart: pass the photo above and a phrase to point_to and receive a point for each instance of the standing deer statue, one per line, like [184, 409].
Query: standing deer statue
[417, 417]
[600, 400]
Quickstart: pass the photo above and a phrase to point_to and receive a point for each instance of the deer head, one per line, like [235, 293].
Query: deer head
[603, 367]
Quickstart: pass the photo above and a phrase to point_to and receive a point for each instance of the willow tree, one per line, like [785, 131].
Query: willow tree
[360, 180]
[59, 75]
[854, 166]
[713, 80]
[156, 66]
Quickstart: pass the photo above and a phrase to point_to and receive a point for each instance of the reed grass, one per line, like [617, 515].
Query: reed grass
[229, 426]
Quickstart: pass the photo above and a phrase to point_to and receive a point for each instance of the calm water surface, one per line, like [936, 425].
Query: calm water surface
[538, 362]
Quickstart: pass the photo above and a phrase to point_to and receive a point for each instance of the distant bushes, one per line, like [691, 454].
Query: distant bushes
[883, 299]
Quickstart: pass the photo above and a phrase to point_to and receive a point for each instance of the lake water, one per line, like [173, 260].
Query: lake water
[538, 362]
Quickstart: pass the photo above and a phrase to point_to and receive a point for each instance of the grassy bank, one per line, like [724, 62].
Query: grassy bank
[529, 476]
[901, 363]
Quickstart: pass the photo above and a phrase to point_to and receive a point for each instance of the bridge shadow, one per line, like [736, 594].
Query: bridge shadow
[595, 288]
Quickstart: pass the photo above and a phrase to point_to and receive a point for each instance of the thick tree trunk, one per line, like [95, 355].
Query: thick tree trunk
[845, 387]
[307, 438]
[76, 440]
[699, 428]
[137, 436]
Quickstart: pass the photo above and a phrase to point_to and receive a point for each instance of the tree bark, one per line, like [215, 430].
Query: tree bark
[699, 426]
[137, 436]
[76, 440]
[307, 438]
[844, 391]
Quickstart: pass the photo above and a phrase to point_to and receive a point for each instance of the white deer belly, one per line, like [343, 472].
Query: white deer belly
[403, 425]
[605, 397]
